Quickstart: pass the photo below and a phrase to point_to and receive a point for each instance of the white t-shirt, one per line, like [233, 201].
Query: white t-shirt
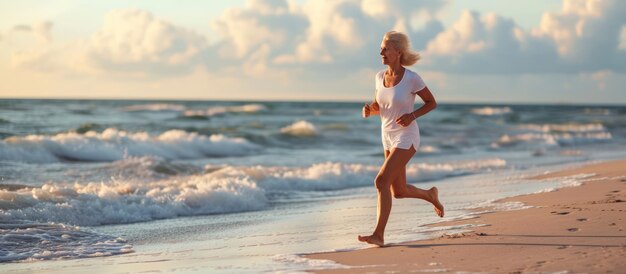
[397, 100]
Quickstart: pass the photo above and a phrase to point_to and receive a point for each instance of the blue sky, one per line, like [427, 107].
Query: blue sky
[473, 51]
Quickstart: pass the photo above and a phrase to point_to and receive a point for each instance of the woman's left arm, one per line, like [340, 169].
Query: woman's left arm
[429, 104]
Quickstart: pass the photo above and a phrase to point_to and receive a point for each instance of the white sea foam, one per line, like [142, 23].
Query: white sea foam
[222, 190]
[492, 205]
[568, 181]
[300, 128]
[561, 182]
[249, 108]
[296, 262]
[335, 176]
[25, 241]
[490, 111]
[597, 111]
[556, 134]
[554, 139]
[113, 144]
[594, 127]
[428, 149]
[127, 202]
[155, 107]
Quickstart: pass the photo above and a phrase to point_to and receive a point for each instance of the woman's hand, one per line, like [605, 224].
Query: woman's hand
[371, 109]
[375, 108]
[366, 111]
[405, 120]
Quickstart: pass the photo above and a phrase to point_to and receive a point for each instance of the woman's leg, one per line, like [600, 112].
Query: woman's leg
[401, 189]
[393, 166]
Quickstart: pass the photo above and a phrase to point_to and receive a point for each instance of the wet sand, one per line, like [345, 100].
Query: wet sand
[573, 229]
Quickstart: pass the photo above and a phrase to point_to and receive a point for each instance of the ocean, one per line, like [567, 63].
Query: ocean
[237, 186]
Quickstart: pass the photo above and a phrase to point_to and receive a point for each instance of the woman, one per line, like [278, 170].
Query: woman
[396, 88]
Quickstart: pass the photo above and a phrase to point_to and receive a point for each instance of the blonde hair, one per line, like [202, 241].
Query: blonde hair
[408, 57]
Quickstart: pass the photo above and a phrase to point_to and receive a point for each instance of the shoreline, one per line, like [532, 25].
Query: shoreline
[573, 229]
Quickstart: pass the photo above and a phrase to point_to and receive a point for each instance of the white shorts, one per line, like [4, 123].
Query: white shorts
[403, 139]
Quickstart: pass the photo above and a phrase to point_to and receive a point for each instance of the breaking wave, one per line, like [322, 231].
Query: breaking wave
[212, 111]
[113, 144]
[300, 128]
[490, 111]
[221, 189]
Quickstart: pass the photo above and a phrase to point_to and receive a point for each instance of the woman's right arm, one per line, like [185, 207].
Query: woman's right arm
[371, 109]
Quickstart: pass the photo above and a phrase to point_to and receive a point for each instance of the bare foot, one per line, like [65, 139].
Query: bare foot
[434, 196]
[372, 240]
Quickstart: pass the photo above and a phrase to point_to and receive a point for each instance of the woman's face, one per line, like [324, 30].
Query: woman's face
[389, 53]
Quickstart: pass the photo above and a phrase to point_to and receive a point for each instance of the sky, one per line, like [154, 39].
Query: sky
[479, 51]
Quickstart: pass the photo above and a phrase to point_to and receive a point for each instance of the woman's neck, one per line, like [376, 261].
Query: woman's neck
[395, 69]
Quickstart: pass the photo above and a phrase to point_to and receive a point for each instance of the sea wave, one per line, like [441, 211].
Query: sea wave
[336, 176]
[28, 241]
[593, 127]
[92, 204]
[212, 111]
[490, 111]
[113, 144]
[563, 139]
[597, 111]
[144, 168]
[154, 107]
[221, 189]
[300, 128]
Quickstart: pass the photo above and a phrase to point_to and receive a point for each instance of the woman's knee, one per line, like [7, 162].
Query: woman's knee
[381, 182]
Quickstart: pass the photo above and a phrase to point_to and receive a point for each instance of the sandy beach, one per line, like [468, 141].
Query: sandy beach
[571, 230]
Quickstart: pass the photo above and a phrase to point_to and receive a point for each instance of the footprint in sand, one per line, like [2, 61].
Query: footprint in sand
[573, 229]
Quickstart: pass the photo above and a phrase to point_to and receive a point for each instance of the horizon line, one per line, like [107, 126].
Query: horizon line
[452, 102]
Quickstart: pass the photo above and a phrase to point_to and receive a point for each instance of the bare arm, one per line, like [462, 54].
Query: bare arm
[429, 104]
[371, 109]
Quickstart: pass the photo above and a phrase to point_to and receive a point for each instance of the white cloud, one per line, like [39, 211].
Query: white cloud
[42, 30]
[272, 23]
[324, 39]
[265, 37]
[586, 33]
[582, 37]
[36, 59]
[350, 31]
[405, 13]
[468, 34]
[131, 42]
[22, 27]
[134, 40]
[321, 37]
[488, 44]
